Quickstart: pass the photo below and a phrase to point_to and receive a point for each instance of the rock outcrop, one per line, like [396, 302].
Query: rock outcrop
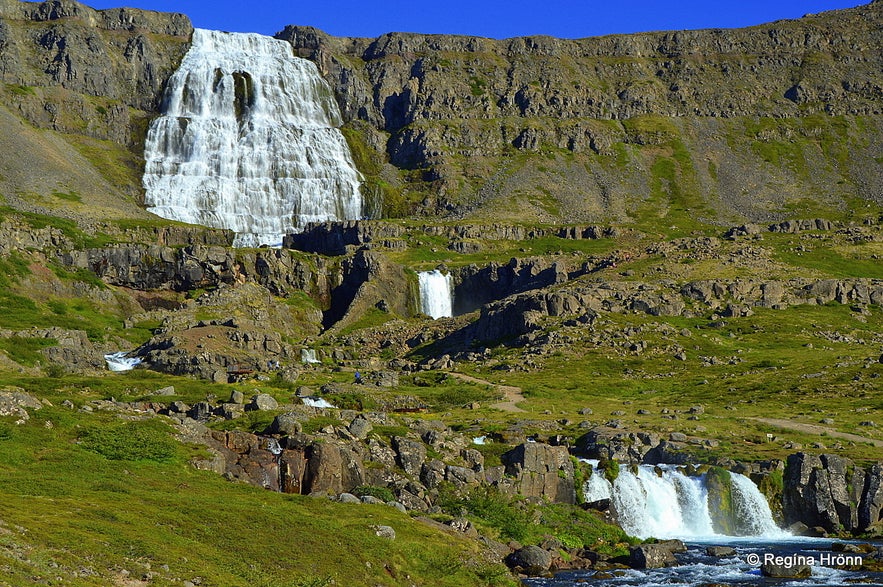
[541, 471]
[94, 72]
[832, 492]
[522, 314]
[235, 342]
[456, 107]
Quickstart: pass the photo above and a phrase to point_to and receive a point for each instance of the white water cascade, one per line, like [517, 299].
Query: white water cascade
[436, 294]
[249, 141]
[675, 505]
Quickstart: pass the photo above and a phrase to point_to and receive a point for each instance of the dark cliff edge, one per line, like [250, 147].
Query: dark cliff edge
[735, 124]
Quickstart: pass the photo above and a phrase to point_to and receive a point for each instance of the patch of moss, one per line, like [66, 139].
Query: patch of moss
[718, 483]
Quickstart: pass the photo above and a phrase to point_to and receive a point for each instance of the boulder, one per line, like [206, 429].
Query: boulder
[783, 571]
[530, 560]
[286, 424]
[348, 498]
[263, 402]
[720, 551]
[15, 401]
[409, 454]
[386, 532]
[654, 556]
[360, 427]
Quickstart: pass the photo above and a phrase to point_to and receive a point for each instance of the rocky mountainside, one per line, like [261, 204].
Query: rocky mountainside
[734, 123]
[79, 87]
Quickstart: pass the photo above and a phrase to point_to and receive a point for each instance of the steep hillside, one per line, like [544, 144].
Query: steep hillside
[79, 87]
[726, 124]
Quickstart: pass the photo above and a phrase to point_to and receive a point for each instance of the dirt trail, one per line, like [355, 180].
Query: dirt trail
[511, 394]
[814, 429]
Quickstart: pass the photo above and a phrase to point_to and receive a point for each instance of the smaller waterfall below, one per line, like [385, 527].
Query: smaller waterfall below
[752, 508]
[436, 294]
[119, 362]
[663, 502]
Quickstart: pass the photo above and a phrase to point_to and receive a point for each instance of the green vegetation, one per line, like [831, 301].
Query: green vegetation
[67, 507]
[24, 350]
[135, 441]
[20, 90]
[610, 469]
[70, 196]
[382, 493]
[512, 518]
[373, 317]
[383, 199]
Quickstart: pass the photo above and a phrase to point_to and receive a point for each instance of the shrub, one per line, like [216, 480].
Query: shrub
[492, 508]
[133, 441]
[381, 493]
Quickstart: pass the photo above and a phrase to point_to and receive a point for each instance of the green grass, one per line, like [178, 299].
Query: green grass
[24, 350]
[149, 440]
[82, 275]
[372, 318]
[760, 370]
[70, 196]
[827, 259]
[425, 252]
[66, 507]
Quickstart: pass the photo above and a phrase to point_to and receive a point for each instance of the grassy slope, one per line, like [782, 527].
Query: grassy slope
[67, 511]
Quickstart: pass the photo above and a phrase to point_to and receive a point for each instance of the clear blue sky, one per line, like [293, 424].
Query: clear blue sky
[486, 18]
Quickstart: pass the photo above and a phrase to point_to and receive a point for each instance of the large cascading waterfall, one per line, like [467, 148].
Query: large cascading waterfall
[436, 293]
[249, 141]
[663, 502]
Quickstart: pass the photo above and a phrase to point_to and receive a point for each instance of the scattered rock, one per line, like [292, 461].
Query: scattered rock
[720, 551]
[262, 402]
[530, 560]
[384, 532]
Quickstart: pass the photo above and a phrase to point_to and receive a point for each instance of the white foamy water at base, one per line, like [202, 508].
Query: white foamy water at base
[663, 502]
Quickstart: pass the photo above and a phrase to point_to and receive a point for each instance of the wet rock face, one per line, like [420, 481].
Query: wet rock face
[832, 492]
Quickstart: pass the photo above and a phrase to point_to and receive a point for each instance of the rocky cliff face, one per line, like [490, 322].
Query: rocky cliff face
[831, 492]
[745, 120]
[77, 90]
[95, 72]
